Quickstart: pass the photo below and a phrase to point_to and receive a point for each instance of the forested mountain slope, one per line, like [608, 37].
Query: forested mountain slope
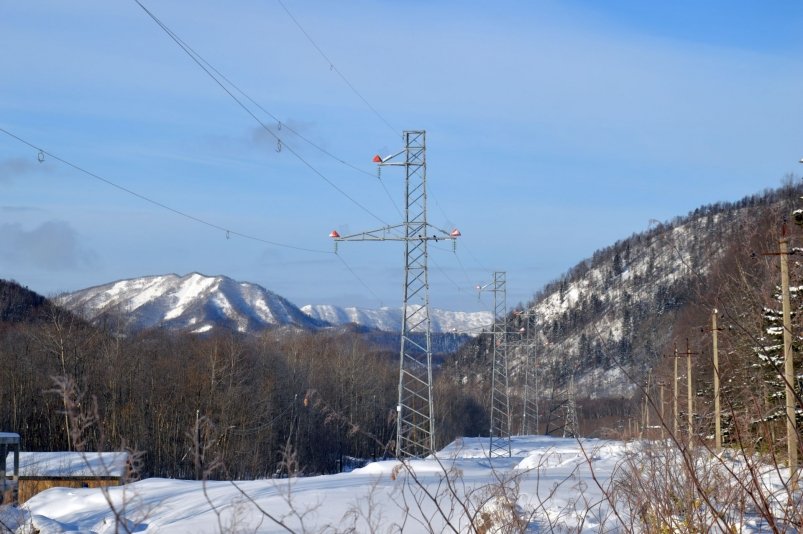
[20, 304]
[616, 314]
[612, 320]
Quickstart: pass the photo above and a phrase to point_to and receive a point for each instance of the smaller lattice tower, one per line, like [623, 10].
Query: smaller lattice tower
[529, 343]
[570, 426]
[500, 401]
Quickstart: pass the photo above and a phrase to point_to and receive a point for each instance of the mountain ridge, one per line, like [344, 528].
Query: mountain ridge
[388, 319]
[194, 302]
[604, 328]
[198, 303]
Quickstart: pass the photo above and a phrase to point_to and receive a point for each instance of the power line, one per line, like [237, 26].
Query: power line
[280, 125]
[229, 232]
[460, 263]
[198, 57]
[448, 219]
[42, 153]
[207, 67]
[335, 69]
[351, 86]
[359, 279]
[353, 89]
[199, 61]
[444, 273]
[279, 122]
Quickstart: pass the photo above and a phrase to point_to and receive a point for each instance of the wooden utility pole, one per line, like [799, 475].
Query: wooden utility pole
[717, 411]
[645, 415]
[789, 366]
[675, 413]
[663, 420]
[690, 399]
[689, 396]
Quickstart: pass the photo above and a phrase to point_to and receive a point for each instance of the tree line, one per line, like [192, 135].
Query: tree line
[328, 396]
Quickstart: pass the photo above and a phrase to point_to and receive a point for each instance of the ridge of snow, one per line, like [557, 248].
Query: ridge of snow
[184, 301]
[187, 292]
[389, 319]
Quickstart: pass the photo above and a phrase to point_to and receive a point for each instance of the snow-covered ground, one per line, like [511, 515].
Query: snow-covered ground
[547, 483]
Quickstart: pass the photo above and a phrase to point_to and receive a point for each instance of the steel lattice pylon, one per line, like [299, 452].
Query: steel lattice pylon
[500, 402]
[529, 416]
[570, 426]
[415, 433]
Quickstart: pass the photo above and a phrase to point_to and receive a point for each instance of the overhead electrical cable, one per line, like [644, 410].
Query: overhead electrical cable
[281, 125]
[229, 232]
[448, 220]
[296, 133]
[354, 89]
[456, 254]
[42, 153]
[334, 68]
[351, 86]
[444, 273]
[359, 279]
[462, 267]
[278, 121]
[220, 78]
[245, 108]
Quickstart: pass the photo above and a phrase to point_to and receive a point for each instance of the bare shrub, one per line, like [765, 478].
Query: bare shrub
[86, 428]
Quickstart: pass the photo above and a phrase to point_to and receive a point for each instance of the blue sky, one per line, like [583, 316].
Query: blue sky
[553, 129]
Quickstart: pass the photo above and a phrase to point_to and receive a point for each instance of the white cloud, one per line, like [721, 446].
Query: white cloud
[51, 246]
[12, 168]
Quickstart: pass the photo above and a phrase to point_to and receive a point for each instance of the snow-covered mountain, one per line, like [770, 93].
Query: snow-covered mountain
[389, 319]
[195, 303]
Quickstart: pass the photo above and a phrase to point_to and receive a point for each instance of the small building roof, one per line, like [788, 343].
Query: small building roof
[70, 464]
[9, 437]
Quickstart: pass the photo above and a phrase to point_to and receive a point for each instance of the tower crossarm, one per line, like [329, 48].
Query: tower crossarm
[391, 233]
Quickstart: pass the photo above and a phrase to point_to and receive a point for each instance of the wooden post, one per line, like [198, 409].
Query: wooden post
[689, 395]
[647, 404]
[789, 369]
[663, 420]
[717, 411]
[689, 398]
[675, 413]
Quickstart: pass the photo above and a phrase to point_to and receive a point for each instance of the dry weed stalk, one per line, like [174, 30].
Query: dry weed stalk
[85, 426]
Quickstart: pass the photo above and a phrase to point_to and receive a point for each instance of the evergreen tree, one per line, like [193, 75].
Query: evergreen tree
[770, 356]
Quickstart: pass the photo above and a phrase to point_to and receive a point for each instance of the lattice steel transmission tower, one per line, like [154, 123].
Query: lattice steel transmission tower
[415, 428]
[529, 415]
[500, 402]
[570, 425]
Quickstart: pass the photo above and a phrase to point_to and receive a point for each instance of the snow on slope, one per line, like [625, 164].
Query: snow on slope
[590, 319]
[390, 319]
[550, 484]
[371, 499]
[198, 304]
[195, 302]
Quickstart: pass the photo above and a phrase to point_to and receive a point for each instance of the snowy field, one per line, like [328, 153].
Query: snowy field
[547, 480]
[548, 485]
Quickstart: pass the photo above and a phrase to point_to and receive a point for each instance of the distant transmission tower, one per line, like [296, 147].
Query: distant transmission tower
[500, 402]
[415, 431]
[529, 416]
[570, 429]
